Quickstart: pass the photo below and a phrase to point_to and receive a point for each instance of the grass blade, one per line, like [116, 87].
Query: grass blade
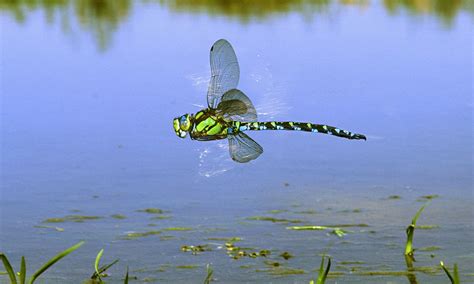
[23, 270]
[97, 261]
[126, 277]
[8, 268]
[456, 274]
[454, 279]
[54, 260]
[327, 271]
[209, 275]
[103, 268]
[323, 273]
[411, 231]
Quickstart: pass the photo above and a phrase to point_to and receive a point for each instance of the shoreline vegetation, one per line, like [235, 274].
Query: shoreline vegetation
[103, 18]
[273, 262]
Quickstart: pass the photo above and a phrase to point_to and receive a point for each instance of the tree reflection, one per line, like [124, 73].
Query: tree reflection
[102, 18]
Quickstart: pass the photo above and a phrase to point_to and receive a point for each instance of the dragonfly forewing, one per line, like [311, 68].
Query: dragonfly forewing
[225, 71]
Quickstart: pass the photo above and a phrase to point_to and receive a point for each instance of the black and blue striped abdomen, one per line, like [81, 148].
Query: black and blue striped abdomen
[296, 126]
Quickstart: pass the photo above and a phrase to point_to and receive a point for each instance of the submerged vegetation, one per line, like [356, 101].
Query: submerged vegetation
[72, 218]
[276, 262]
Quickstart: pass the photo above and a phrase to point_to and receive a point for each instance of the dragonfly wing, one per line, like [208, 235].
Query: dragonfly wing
[243, 149]
[235, 105]
[225, 71]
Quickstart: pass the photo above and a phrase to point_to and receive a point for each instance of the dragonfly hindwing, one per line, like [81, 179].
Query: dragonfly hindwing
[235, 105]
[242, 148]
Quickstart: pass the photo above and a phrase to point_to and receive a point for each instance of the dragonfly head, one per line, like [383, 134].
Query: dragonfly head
[182, 125]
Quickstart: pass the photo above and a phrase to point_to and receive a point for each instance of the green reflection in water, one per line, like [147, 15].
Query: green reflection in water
[102, 18]
[98, 17]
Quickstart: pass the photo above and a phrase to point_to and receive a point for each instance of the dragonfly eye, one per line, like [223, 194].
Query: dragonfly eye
[184, 122]
[177, 128]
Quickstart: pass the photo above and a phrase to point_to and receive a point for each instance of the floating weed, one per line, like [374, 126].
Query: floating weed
[431, 248]
[429, 197]
[427, 227]
[188, 266]
[22, 273]
[274, 220]
[286, 255]
[272, 263]
[339, 232]
[152, 225]
[178, 229]
[166, 238]
[454, 278]
[394, 197]
[304, 228]
[336, 231]
[346, 225]
[426, 269]
[196, 249]
[309, 212]
[136, 235]
[357, 210]
[50, 227]
[72, 218]
[161, 217]
[151, 210]
[238, 252]
[410, 232]
[118, 216]
[286, 271]
[384, 273]
[351, 262]
[228, 240]
[277, 211]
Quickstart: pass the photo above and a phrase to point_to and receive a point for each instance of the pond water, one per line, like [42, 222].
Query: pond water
[89, 90]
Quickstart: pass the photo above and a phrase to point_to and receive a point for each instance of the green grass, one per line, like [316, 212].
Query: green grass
[22, 274]
[208, 278]
[411, 231]
[323, 273]
[454, 278]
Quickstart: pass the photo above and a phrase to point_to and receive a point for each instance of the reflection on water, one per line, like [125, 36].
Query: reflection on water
[99, 17]
[102, 17]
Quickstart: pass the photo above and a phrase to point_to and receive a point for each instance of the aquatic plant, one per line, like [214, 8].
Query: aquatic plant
[455, 277]
[22, 274]
[99, 271]
[196, 249]
[410, 232]
[209, 274]
[323, 274]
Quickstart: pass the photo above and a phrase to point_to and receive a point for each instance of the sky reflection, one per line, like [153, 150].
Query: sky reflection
[102, 18]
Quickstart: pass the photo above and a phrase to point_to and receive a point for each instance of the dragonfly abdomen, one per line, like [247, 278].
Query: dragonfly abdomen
[296, 126]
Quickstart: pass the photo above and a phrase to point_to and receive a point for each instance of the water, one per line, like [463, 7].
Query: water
[89, 90]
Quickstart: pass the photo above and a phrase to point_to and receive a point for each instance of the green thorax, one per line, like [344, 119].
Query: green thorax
[208, 125]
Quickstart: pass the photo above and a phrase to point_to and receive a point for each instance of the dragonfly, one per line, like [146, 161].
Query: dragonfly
[230, 112]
